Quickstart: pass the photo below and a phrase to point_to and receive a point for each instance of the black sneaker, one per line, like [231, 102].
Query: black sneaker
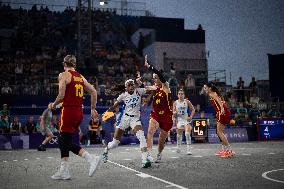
[41, 148]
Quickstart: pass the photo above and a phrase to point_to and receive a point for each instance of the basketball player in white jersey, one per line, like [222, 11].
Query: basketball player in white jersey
[183, 119]
[129, 118]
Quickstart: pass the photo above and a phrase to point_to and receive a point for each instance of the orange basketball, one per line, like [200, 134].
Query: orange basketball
[232, 122]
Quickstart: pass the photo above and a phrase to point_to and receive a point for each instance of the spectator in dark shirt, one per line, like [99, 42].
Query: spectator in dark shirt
[31, 125]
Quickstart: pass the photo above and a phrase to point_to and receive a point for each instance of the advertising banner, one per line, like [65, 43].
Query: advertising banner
[233, 135]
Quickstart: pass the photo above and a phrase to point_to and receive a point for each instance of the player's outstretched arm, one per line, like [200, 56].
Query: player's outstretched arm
[160, 75]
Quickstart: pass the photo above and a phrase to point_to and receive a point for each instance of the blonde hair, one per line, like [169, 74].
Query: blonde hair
[69, 61]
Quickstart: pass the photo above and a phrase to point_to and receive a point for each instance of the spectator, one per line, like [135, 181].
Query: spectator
[189, 84]
[254, 99]
[5, 114]
[240, 90]
[253, 85]
[241, 109]
[94, 131]
[274, 112]
[6, 89]
[30, 125]
[141, 43]
[173, 83]
[254, 113]
[15, 126]
[262, 105]
[4, 125]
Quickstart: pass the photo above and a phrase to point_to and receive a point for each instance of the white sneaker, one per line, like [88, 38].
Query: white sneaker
[159, 158]
[62, 174]
[188, 152]
[150, 158]
[94, 164]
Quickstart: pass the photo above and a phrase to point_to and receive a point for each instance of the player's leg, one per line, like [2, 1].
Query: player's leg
[49, 136]
[113, 144]
[188, 129]
[180, 129]
[161, 144]
[153, 126]
[138, 130]
[64, 140]
[225, 143]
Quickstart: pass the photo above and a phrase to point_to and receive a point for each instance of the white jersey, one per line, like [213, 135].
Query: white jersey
[132, 101]
[182, 108]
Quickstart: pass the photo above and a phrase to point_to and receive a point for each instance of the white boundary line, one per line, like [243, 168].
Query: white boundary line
[264, 175]
[147, 175]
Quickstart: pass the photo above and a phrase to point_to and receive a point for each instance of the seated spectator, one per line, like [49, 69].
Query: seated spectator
[274, 112]
[4, 125]
[5, 116]
[6, 89]
[189, 84]
[262, 105]
[232, 102]
[241, 108]
[94, 131]
[15, 126]
[30, 125]
[254, 99]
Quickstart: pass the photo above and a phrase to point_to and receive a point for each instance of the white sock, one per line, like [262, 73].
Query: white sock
[188, 138]
[144, 156]
[87, 156]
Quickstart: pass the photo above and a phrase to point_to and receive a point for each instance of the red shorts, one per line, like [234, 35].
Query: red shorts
[70, 119]
[165, 121]
[223, 118]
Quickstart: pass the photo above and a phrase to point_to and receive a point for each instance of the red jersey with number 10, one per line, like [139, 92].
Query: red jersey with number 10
[74, 90]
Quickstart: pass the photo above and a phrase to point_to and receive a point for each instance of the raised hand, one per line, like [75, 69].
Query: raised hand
[146, 61]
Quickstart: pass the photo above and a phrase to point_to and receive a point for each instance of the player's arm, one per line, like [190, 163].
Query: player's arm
[112, 108]
[62, 78]
[160, 75]
[192, 110]
[92, 91]
[175, 113]
[219, 101]
[138, 80]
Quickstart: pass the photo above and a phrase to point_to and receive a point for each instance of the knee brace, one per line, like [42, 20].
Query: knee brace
[63, 141]
[113, 144]
[141, 137]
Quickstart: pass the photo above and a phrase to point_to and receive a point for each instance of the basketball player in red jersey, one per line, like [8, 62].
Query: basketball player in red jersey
[161, 114]
[223, 115]
[71, 92]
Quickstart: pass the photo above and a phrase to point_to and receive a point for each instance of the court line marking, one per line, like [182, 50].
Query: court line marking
[271, 153]
[264, 175]
[147, 175]
[174, 157]
[246, 154]
[127, 159]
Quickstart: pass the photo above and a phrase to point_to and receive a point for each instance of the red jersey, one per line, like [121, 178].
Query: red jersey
[162, 109]
[74, 90]
[222, 118]
[162, 102]
[72, 112]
